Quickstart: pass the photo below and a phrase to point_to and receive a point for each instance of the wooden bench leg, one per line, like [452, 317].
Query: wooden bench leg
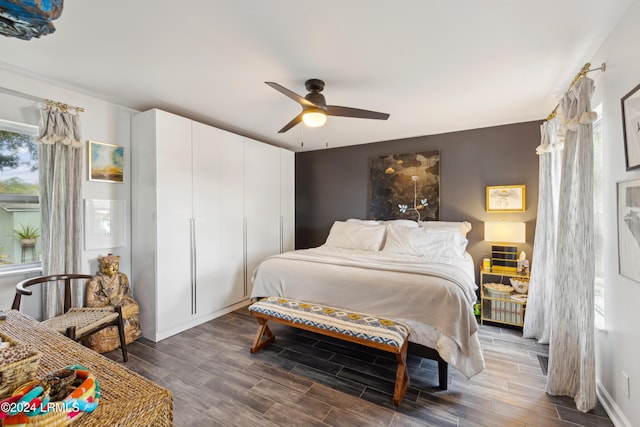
[443, 374]
[263, 329]
[402, 376]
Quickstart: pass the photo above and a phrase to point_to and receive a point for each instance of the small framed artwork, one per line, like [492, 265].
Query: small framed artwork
[631, 127]
[629, 228]
[506, 198]
[104, 224]
[106, 162]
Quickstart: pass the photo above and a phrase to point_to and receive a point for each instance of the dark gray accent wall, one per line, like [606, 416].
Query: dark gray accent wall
[333, 184]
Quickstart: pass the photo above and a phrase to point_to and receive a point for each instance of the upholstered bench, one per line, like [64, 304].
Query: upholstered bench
[369, 330]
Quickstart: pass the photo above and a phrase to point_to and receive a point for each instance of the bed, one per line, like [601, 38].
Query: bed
[417, 273]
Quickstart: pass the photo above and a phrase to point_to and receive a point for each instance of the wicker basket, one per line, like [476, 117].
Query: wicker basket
[18, 365]
[498, 290]
[63, 412]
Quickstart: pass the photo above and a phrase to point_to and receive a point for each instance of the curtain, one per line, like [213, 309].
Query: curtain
[537, 322]
[60, 165]
[571, 369]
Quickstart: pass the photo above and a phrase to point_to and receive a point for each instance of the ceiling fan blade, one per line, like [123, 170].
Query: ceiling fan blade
[334, 110]
[297, 119]
[299, 99]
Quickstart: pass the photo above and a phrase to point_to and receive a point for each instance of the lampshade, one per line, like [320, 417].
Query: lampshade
[314, 117]
[505, 232]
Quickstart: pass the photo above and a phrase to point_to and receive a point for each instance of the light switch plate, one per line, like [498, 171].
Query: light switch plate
[625, 383]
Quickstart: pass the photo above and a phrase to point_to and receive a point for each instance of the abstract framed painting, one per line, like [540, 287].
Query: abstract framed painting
[629, 228]
[405, 186]
[106, 162]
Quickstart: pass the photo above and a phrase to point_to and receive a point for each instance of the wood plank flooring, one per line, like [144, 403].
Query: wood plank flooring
[305, 379]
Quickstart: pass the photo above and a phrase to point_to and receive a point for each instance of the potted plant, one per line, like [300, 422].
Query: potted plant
[27, 234]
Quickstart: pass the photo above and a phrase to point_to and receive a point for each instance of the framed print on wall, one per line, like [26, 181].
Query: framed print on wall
[631, 127]
[405, 186]
[104, 224]
[106, 162]
[506, 198]
[629, 228]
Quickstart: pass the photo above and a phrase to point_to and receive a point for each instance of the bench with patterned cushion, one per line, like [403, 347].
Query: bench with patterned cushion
[366, 329]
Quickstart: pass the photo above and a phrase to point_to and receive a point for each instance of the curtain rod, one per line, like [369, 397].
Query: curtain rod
[48, 102]
[586, 68]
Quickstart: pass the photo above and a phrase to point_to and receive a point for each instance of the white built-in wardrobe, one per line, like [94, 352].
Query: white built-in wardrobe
[207, 207]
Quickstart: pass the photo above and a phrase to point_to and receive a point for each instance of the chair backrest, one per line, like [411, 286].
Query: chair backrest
[21, 287]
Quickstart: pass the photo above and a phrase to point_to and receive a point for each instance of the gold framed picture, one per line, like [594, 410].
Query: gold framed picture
[106, 162]
[506, 198]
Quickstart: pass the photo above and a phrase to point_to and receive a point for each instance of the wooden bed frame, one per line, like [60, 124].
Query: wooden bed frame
[429, 353]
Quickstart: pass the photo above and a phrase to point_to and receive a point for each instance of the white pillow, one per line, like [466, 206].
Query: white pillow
[402, 223]
[430, 242]
[464, 226]
[364, 221]
[353, 235]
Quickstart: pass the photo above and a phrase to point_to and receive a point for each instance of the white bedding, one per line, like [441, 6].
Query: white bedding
[434, 296]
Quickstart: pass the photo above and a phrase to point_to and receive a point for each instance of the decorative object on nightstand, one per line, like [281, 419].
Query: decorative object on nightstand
[503, 253]
[523, 264]
[520, 286]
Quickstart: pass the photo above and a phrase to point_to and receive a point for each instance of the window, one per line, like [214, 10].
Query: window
[19, 200]
[598, 211]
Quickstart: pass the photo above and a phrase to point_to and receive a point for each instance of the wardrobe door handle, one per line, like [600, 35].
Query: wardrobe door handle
[244, 255]
[193, 265]
[281, 234]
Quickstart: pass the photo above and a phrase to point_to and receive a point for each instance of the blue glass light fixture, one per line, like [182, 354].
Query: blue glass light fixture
[28, 18]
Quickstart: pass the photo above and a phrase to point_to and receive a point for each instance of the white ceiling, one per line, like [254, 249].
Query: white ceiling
[434, 65]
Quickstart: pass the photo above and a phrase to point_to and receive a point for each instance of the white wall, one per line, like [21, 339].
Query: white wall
[618, 344]
[102, 122]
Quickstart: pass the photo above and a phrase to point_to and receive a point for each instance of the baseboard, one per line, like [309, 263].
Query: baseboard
[161, 335]
[613, 410]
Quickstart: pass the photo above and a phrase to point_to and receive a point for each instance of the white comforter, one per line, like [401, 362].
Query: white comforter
[433, 296]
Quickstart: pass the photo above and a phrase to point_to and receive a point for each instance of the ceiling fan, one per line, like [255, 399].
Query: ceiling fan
[315, 109]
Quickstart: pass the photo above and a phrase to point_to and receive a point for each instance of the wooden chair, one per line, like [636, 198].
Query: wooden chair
[77, 323]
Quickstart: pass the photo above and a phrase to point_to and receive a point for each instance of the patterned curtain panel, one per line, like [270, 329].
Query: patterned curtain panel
[571, 348]
[537, 323]
[60, 201]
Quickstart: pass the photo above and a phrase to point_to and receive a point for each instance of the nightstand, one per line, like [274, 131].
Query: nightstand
[501, 309]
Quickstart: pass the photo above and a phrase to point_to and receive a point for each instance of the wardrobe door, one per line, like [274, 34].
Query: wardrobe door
[173, 209]
[262, 204]
[231, 167]
[207, 205]
[287, 200]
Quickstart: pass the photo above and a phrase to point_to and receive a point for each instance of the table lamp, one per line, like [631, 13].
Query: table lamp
[504, 254]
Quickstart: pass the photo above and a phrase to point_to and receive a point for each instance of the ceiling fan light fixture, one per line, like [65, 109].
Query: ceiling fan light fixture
[314, 118]
[315, 109]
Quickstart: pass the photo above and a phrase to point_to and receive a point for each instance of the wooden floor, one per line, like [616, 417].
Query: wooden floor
[304, 379]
